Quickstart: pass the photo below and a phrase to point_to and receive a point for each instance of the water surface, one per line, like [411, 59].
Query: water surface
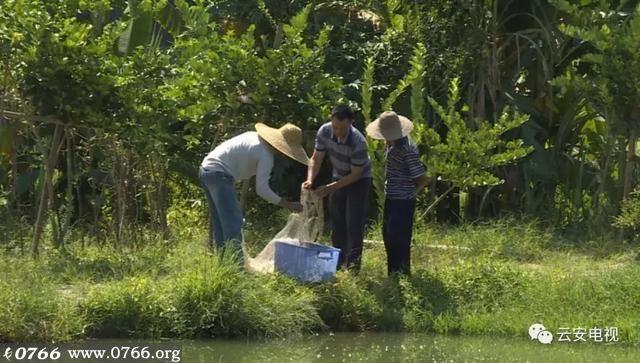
[397, 347]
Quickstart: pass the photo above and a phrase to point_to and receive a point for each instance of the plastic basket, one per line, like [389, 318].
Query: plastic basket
[309, 262]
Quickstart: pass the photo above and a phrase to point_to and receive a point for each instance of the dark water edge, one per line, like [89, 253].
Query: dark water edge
[353, 347]
[398, 347]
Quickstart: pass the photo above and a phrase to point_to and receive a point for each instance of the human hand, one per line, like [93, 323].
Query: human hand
[307, 185]
[323, 190]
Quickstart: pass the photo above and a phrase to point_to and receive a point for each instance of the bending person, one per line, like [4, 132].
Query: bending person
[240, 158]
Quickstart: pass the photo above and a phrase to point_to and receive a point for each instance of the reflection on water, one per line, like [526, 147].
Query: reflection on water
[395, 347]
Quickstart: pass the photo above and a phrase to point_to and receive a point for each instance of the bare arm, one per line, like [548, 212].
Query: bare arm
[294, 206]
[354, 176]
[314, 167]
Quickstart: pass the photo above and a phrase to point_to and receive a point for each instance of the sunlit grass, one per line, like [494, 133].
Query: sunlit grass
[484, 279]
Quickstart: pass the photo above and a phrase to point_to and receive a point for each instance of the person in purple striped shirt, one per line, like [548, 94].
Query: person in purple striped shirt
[405, 178]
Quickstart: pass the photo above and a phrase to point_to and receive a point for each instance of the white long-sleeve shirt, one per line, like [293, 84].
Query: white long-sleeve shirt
[242, 157]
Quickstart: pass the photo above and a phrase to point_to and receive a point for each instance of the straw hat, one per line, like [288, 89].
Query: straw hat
[287, 140]
[389, 126]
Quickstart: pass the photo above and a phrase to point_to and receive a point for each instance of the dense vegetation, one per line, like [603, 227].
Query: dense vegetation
[527, 110]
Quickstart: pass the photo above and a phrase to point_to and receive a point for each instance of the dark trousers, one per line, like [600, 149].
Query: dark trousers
[397, 228]
[348, 217]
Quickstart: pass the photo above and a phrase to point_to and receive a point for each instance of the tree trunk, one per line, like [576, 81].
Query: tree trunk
[621, 156]
[629, 163]
[50, 159]
[96, 206]
[158, 201]
[117, 172]
[14, 169]
[162, 207]
[627, 181]
[604, 176]
[70, 177]
[475, 197]
[277, 39]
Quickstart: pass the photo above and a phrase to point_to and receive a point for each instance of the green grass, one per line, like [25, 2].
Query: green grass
[32, 309]
[492, 279]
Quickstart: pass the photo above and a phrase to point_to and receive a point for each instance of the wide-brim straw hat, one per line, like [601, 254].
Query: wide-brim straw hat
[287, 140]
[389, 126]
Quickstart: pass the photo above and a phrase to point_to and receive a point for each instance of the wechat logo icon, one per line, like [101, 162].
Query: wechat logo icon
[539, 332]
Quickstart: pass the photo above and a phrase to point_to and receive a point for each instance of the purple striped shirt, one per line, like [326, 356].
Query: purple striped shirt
[403, 168]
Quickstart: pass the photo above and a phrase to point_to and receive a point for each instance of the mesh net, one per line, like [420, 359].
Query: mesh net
[305, 226]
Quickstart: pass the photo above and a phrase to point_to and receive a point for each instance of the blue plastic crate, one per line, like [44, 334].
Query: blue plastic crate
[309, 262]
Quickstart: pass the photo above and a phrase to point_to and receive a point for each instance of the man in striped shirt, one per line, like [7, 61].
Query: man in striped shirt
[349, 190]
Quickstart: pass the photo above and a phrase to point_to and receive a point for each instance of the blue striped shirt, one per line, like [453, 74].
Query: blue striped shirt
[403, 168]
[352, 151]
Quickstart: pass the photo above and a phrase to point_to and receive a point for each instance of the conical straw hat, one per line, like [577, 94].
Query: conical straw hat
[389, 126]
[287, 140]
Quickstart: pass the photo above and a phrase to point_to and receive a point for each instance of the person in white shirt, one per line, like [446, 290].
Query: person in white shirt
[240, 158]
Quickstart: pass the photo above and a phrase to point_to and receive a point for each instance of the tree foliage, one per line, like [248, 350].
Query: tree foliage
[109, 105]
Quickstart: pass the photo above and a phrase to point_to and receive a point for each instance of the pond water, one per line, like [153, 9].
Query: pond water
[396, 347]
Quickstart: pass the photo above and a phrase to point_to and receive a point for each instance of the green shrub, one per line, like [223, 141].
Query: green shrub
[215, 298]
[348, 305]
[129, 308]
[629, 216]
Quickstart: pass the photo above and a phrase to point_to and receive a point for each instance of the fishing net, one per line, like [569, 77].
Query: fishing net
[305, 226]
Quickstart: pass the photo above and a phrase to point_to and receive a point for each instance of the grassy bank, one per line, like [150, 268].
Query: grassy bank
[483, 279]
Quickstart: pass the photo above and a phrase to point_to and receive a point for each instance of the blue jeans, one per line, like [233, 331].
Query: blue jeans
[226, 217]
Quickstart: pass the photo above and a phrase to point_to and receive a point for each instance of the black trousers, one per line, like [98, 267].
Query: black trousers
[397, 229]
[348, 217]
